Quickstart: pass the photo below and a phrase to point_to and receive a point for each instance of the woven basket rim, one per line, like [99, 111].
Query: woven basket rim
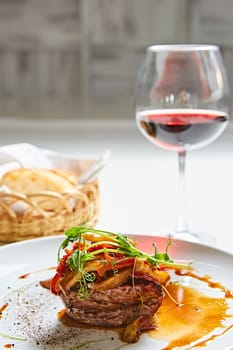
[70, 207]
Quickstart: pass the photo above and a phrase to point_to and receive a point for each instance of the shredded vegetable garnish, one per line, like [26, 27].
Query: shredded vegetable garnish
[101, 251]
[109, 242]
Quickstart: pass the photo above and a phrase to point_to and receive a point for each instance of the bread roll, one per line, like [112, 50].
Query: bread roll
[43, 186]
[28, 181]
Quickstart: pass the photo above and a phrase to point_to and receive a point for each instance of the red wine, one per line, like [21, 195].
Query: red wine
[181, 129]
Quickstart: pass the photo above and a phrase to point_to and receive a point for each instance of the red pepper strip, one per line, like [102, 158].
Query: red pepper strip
[77, 245]
[61, 269]
[54, 287]
[123, 263]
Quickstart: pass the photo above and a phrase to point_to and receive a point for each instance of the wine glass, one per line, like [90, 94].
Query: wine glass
[182, 103]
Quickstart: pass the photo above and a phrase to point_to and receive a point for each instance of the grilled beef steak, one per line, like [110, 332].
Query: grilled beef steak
[115, 307]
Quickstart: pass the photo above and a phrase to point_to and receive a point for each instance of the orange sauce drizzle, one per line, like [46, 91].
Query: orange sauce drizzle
[212, 337]
[9, 346]
[2, 308]
[207, 279]
[30, 274]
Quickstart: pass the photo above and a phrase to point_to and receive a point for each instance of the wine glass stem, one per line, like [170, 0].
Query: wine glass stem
[182, 224]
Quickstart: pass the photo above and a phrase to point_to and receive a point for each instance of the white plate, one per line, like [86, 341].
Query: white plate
[33, 312]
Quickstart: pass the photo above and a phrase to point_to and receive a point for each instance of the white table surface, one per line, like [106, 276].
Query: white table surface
[138, 186]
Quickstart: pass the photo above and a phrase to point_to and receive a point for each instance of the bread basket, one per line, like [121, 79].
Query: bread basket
[28, 216]
[43, 192]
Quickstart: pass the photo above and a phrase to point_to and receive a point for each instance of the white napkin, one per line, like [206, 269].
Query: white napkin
[24, 155]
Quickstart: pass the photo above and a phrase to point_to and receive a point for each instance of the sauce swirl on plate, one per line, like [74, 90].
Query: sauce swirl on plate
[196, 315]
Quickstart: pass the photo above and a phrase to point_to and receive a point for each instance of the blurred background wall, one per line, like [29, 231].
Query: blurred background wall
[79, 58]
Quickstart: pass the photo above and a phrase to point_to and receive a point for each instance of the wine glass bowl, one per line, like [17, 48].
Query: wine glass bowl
[182, 103]
[181, 129]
